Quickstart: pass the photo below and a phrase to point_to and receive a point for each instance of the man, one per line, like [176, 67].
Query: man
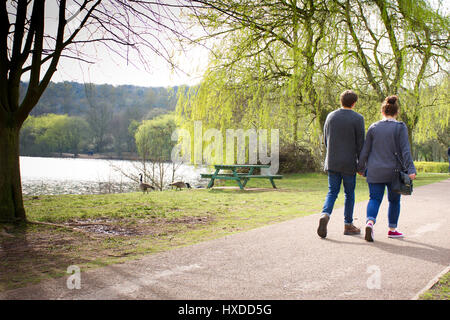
[344, 139]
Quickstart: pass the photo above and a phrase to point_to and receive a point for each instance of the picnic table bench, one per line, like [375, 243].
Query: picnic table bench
[240, 178]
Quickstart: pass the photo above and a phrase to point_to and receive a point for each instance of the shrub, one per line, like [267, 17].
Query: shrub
[297, 159]
[436, 167]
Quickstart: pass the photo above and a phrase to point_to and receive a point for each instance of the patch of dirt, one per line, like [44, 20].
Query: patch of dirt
[191, 220]
[123, 227]
[104, 226]
[108, 230]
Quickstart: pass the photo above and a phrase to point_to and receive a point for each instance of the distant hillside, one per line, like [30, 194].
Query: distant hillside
[77, 118]
[73, 98]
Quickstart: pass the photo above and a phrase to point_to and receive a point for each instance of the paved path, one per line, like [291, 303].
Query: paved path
[285, 261]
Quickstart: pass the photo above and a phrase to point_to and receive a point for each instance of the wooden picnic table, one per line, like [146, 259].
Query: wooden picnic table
[234, 175]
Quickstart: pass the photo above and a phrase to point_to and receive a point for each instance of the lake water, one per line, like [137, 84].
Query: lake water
[90, 176]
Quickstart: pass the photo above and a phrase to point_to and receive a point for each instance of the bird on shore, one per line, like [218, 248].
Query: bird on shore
[180, 184]
[144, 186]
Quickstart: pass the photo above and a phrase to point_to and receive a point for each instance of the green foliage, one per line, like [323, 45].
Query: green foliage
[112, 114]
[432, 135]
[53, 133]
[260, 76]
[439, 291]
[285, 65]
[435, 167]
[153, 138]
[72, 98]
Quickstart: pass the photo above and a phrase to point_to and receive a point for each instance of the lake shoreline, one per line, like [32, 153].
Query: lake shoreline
[91, 175]
[95, 156]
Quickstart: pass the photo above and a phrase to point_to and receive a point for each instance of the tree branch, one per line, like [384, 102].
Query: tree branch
[398, 54]
[16, 61]
[360, 52]
[28, 103]
[4, 61]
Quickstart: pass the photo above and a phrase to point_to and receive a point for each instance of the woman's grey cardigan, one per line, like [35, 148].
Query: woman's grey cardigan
[378, 153]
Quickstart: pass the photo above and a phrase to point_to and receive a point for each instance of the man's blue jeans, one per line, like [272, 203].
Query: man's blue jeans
[334, 186]
[376, 196]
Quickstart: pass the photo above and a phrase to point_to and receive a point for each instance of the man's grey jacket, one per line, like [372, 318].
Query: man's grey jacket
[344, 140]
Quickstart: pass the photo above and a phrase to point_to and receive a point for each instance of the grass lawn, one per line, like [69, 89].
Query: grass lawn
[440, 291]
[112, 228]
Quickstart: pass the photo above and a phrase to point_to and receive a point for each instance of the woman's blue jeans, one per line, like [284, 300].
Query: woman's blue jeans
[376, 196]
[334, 186]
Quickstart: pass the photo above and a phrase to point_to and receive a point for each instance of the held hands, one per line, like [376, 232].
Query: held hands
[362, 173]
[412, 176]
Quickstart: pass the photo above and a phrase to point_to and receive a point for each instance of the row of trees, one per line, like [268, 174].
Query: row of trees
[151, 138]
[75, 99]
[53, 133]
[284, 64]
[101, 118]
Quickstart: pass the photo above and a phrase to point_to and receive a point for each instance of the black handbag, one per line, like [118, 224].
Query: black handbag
[401, 182]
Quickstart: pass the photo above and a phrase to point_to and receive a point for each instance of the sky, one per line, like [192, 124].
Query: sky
[109, 68]
[114, 70]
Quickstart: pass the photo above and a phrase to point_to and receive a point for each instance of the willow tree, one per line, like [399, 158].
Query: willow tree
[154, 146]
[400, 46]
[432, 131]
[267, 57]
[36, 35]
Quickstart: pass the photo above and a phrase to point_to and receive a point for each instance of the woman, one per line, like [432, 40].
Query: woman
[377, 161]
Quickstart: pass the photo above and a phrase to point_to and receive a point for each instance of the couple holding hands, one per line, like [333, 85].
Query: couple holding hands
[376, 157]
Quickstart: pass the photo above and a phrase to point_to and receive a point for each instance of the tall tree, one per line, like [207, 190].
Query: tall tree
[378, 47]
[154, 145]
[29, 46]
[268, 47]
[401, 46]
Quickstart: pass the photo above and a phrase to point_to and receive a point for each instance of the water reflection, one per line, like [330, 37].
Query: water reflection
[88, 176]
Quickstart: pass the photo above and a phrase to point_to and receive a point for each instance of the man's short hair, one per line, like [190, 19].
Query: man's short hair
[348, 98]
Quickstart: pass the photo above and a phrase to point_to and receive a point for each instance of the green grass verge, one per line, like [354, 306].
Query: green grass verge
[118, 227]
[440, 291]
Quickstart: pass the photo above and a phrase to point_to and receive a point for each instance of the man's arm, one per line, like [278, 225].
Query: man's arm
[360, 132]
[362, 162]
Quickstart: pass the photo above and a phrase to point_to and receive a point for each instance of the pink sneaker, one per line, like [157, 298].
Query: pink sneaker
[395, 234]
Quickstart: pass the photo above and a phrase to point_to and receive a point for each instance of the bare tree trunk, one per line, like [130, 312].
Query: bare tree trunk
[161, 174]
[11, 204]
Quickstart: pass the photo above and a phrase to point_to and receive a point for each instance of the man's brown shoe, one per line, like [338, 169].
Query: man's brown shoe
[350, 229]
[322, 230]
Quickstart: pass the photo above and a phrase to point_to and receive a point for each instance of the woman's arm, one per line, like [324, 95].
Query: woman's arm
[325, 133]
[405, 151]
